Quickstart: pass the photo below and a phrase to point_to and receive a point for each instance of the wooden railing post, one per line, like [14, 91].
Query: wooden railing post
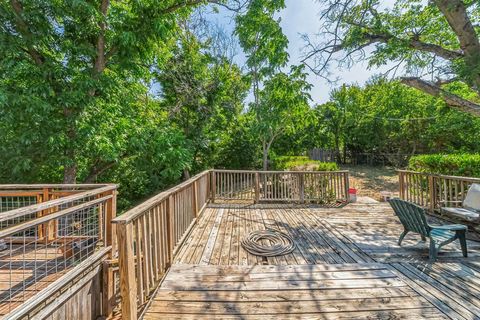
[214, 187]
[194, 198]
[108, 293]
[170, 240]
[401, 184]
[301, 183]
[110, 214]
[431, 192]
[347, 185]
[50, 228]
[257, 187]
[126, 260]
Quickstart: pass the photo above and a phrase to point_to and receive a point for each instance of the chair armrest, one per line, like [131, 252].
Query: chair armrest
[452, 227]
[444, 203]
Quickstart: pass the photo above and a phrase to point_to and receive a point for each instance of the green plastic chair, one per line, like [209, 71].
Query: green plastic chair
[413, 219]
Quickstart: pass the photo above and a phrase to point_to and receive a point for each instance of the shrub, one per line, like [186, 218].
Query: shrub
[327, 166]
[302, 163]
[467, 165]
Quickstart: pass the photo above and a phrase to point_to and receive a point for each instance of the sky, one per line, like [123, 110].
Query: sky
[302, 17]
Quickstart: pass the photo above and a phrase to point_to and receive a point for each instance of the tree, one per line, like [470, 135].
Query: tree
[438, 39]
[238, 146]
[337, 116]
[389, 119]
[265, 45]
[283, 103]
[262, 40]
[63, 60]
[202, 93]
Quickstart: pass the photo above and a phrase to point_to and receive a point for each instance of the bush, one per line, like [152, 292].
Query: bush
[302, 163]
[467, 165]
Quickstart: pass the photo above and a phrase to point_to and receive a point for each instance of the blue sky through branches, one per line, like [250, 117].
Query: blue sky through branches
[302, 17]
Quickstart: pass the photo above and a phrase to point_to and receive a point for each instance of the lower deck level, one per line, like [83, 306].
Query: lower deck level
[27, 270]
[346, 265]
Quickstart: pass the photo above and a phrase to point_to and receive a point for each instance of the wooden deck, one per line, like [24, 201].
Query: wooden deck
[347, 265]
[25, 273]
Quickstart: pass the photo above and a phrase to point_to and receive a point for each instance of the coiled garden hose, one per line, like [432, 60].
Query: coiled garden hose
[281, 243]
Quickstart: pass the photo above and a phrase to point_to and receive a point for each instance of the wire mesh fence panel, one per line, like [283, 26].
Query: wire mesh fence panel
[42, 242]
[10, 202]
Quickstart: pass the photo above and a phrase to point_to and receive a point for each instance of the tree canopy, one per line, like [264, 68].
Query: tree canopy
[145, 93]
[435, 42]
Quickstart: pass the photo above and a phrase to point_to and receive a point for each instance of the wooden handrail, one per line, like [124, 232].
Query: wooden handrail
[51, 185]
[32, 306]
[432, 190]
[20, 212]
[41, 220]
[300, 186]
[472, 179]
[150, 234]
[277, 171]
[151, 202]
[57, 221]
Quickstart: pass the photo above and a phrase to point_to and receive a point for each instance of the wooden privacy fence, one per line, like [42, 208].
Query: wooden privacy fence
[321, 187]
[433, 190]
[323, 155]
[48, 231]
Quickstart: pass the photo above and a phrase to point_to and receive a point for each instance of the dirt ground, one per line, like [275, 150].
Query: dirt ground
[371, 181]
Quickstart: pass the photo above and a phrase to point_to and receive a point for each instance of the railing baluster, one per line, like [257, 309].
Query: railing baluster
[126, 260]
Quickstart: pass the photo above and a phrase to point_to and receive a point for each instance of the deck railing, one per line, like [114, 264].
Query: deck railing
[48, 231]
[433, 191]
[286, 186]
[150, 234]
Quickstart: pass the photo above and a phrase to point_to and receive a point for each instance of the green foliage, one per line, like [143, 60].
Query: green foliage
[76, 103]
[424, 39]
[238, 147]
[283, 105]
[261, 37]
[302, 163]
[467, 165]
[72, 76]
[203, 94]
[392, 119]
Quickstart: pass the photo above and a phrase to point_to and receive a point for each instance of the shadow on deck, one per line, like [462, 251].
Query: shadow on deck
[346, 265]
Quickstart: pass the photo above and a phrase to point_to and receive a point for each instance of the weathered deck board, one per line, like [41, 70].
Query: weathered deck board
[347, 265]
[26, 272]
[286, 291]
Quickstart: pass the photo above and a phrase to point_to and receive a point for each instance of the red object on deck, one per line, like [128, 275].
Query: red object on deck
[352, 195]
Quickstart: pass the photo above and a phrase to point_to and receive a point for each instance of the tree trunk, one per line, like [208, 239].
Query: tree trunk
[337, 148]
[450, 99]
[456, 14]
[265, 157]
[186, 174]
[70, 173]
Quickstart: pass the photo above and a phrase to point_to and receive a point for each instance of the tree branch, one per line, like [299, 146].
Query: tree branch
[100, 59]
[25, 32]
[191, 3]
[97, 170]
[180, 5]
[450, 99]
[456, 14]
[415, 43]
